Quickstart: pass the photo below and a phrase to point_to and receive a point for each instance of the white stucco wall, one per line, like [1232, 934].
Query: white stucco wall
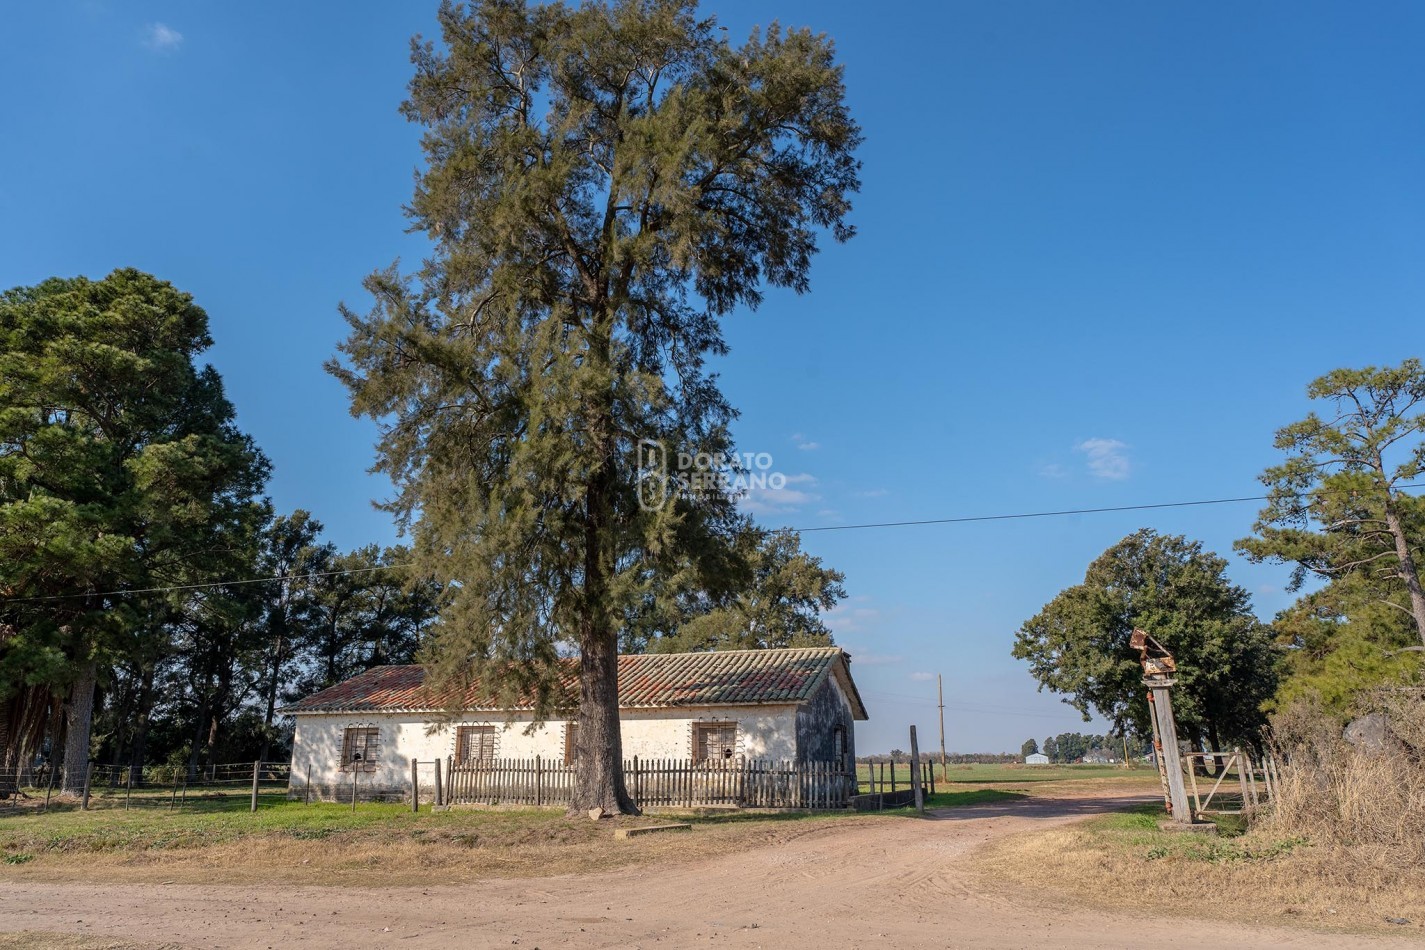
[763, 732]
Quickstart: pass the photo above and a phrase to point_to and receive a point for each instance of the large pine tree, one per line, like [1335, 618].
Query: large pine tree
[121, 471]
[602, 184]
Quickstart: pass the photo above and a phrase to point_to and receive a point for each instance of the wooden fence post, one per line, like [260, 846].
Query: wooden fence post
[128, 787]
[355, 771]
[49, 787]
[539, 781]
[307, 788]
[915, 773]
[1242, 776]
[439, 796]
[88, 774]
[415, 787]
[256, 766]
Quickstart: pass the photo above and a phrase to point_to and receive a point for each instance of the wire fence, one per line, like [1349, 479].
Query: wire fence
[40, 789]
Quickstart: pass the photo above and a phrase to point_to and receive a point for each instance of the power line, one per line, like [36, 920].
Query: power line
[965, 519]
[1033, 514]
[206, 584]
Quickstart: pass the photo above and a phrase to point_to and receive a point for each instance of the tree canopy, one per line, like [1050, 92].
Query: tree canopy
[602, 184]
[775, 598]
[121, 470]
[1336, 507]
[1227, 667]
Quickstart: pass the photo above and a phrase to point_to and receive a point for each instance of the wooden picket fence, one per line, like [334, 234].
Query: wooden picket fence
[674, 783]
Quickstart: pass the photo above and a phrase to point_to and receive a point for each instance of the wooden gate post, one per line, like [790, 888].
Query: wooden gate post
[915, 773]
[256, 771]
[1162, 707]
[1241, 776]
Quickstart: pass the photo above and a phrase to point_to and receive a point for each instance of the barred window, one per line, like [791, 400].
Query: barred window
[360, 748]
[571, 743]
[714, 741]
[474, 743]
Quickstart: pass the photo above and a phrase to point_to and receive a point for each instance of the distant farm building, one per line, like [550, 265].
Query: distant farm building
[1036, 758]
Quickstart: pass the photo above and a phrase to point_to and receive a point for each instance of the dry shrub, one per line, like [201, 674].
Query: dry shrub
[1364, 800]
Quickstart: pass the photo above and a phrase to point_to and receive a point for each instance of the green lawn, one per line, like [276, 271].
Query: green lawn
[976, 774]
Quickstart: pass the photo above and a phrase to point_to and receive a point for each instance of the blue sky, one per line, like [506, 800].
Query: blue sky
[1103, 248]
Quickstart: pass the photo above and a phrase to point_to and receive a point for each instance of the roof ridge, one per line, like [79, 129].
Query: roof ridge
[699, 678]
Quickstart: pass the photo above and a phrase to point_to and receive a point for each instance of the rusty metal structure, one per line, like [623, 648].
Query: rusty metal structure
[1158, 671]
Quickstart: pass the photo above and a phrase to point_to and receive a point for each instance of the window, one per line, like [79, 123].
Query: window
[360, 747]
[838, 743]
[474, 743]
[571, 742]
[714, 741]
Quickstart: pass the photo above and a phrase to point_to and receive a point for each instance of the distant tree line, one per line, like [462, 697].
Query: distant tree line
[956, 758]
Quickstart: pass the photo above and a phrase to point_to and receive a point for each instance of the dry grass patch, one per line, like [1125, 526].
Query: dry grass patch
[1123, 861]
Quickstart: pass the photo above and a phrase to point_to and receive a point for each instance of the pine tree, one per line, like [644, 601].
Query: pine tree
[120, 470]
[603, 183]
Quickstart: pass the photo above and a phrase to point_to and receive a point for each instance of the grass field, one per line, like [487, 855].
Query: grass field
[1012, 773]
[322, 842]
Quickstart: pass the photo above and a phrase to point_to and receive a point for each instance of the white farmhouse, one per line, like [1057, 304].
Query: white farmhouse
[792, 705]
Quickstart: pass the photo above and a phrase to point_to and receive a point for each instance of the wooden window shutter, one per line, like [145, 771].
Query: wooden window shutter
[475, 743]
[360, 748]
[715, 741]
[571, 743]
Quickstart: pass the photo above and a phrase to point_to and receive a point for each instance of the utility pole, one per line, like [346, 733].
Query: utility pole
[940, 689]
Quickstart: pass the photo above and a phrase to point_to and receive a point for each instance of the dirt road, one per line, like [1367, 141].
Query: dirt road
[878, 884]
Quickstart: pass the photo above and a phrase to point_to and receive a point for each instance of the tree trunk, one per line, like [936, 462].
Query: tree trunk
[1408, 572]
[272, 686]
[78, 719]
[598, 776]
[598, 779]
[142, 716]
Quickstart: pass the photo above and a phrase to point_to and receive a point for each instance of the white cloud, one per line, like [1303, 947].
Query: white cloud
[1107, 458]
[804, 444]
[922, 677]
[792, 496]
[851, 617]
[161, 38]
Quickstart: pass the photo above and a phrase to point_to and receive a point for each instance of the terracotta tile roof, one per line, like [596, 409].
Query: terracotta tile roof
[651, 680]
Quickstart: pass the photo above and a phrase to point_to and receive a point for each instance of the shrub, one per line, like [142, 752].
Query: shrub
[1364, 798]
